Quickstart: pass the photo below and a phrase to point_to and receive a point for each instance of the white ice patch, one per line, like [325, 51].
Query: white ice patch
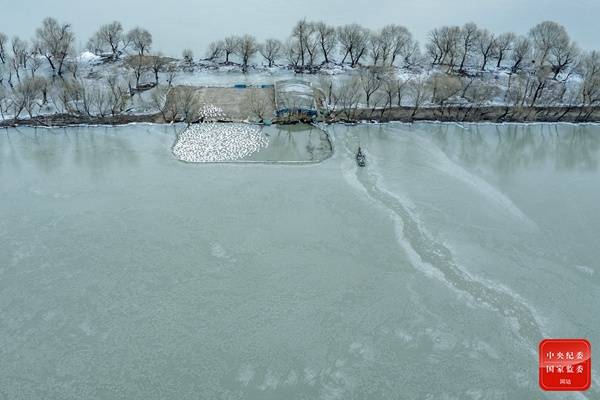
[88, 57]
[214, 142]
[271, 381]
[246, 375]
[292, 378]
[216, 250]
[586, 270]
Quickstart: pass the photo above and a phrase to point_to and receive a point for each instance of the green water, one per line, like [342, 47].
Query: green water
[431, 274]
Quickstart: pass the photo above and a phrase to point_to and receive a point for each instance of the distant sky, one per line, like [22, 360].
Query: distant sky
[177, 24]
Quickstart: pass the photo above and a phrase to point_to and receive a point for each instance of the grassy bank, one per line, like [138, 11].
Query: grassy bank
[496, 114]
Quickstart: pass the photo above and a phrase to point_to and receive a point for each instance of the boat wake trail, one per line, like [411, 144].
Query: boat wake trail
[435, 260]
[443, 163]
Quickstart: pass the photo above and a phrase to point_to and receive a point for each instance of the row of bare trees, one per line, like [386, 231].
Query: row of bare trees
[107, 97]
[25, 91]
[538, 66]
[379, 89]
[458, 48]
[312, 44]
[112, 39]
[54, 43]
[469, 46]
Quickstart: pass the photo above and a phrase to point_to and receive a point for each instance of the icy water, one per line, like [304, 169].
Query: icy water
[431, 274]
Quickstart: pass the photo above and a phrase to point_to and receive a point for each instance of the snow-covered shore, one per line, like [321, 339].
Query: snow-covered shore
[98, 90]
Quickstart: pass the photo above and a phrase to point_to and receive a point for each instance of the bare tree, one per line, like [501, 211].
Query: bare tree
[19, 51]
[55, 42]
[86, 100]
[139, 65]
[188, 57]
[292, 53]
[590, 87]
[25, 96]
[95, 45]
[271, 50]
[171, 74]
[158, 99]
[563, 56]
[71, 96]
[416, 88]
[391, 88]
[433, 48]
[353, 41]
[443, 88]
[256, 104]
[325, 94]
[370, 81]
[99, 99]
[347, 97]
[35, 62]
[399, 43]
[3, 41]
[545, 37]
[230, 46]
[110, 36]
[248, 47]
[444, 46]
[376, 48]
[186, 103]
[313, 45]
[4, 100]
[504, 44]
[327, 40]
[520, 52]
[537, 85]
[13, 67]
[19, 98]
[215, 50]
[468, 41]
[72, 65]
[479, 93]
[300, 33]
[486, 42]
[117, 94]
[140, 39]
[79, 96]
[158, 64]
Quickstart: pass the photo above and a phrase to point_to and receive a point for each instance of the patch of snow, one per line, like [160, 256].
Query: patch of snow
[88, 57]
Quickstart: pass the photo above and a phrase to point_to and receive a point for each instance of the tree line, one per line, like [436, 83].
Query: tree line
[449, 69]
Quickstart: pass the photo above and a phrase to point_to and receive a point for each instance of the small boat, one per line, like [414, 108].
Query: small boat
[361, 160]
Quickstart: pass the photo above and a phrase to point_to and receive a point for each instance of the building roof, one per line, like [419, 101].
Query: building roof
[294, 94]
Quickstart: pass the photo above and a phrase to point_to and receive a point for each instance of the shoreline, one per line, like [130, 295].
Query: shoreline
[463, 114]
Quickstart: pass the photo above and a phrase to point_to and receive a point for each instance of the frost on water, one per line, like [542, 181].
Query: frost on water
[214, 142]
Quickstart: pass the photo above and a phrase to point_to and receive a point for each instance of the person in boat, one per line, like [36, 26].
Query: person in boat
[360, 158]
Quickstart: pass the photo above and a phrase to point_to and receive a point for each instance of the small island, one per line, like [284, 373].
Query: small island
[320, 73]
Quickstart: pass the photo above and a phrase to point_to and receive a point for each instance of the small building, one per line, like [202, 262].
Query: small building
[294, 98]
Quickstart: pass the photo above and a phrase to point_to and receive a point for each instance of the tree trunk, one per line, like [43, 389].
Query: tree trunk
[51, 63]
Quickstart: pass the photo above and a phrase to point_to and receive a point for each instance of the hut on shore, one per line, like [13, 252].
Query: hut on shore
[294, 98]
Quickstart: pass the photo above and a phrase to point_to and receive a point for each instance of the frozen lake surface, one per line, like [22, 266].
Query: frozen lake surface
[431, 274]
